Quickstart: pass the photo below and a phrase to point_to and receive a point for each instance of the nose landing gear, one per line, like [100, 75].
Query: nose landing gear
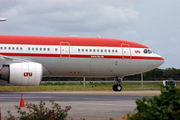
[117, 86]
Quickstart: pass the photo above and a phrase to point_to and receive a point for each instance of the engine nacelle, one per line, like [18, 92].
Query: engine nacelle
[22, 74]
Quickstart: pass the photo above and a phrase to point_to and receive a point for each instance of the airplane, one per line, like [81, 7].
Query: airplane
[24, 60]
[3, 19]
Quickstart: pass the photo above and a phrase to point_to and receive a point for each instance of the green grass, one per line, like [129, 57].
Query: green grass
[108, 85]
[80, 86]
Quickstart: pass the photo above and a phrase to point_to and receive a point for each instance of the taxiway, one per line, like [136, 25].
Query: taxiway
[97, 105]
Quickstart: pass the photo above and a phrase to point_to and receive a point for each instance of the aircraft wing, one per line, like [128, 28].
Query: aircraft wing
[6, 60]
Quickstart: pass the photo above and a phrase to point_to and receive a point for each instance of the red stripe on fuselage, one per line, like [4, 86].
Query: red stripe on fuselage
[81, 56]
[73, 41]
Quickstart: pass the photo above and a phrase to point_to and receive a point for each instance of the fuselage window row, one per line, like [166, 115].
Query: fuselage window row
[48, 49]
[94, 50]
[21, 48]
[13, 48]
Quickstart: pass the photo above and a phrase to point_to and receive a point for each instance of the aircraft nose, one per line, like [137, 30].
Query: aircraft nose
[161, 60]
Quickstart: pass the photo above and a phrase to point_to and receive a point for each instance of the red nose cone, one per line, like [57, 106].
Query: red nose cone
[162, 58]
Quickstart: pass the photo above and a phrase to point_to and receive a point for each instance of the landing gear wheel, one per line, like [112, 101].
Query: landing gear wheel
[114, 88]
[117, 87]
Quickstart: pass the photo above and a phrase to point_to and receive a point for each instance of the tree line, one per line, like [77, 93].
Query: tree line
[155, 74]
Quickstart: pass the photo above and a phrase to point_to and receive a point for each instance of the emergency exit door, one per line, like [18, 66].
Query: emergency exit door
[126, 52]
[64, 49]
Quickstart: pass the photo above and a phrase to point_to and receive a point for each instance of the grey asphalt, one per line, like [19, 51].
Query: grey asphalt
[84, 105]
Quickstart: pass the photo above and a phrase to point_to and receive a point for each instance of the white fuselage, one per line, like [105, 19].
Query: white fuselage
[64, 60]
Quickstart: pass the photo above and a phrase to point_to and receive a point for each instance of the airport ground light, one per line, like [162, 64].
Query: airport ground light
[39, 112]
[166, 106]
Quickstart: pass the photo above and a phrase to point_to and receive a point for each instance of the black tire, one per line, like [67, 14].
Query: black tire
[117, 87]
[114, 87]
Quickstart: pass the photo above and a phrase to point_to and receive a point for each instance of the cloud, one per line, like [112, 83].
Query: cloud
[173, 46]
[152, 23]
[173, 40]
[69, 15]
[133, 33]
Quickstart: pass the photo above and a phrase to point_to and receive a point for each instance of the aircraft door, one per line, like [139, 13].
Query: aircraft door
[64, 49]
[126, 52]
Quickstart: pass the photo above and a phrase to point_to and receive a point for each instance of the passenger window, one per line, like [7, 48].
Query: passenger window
[78, 50]
[94, 50]
[17, 48]
[1, 47]
[90, 50]
[105, 50]
[13, 48]
[116, 51]
[5, 48]
[28, 48]
[97, 50]
[9, 48]
[21, 48]
[44, 49]
[32, 48]
[36, 48]
[55, 49]
[82, 50]
[41, 49]
[48, 49]
[86, 50]
[109, 50]
[112, 50]
[101, 50]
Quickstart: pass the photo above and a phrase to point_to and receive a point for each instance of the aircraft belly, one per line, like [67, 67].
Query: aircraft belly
[136, 66]
[74, 67]
[100, 66]
[66, 66]
[91, 67]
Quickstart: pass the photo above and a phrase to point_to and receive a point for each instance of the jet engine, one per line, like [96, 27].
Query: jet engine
[22, 74]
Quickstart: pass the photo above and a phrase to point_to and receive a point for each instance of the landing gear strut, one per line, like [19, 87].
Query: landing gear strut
[117, 86]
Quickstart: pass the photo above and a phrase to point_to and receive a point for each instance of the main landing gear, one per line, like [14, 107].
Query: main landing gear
[117, 86]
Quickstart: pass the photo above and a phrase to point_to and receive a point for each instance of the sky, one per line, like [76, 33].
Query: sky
[154, 23]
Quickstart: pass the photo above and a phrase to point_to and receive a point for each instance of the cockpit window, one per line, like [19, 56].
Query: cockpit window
[145, 50]
[148, 51]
